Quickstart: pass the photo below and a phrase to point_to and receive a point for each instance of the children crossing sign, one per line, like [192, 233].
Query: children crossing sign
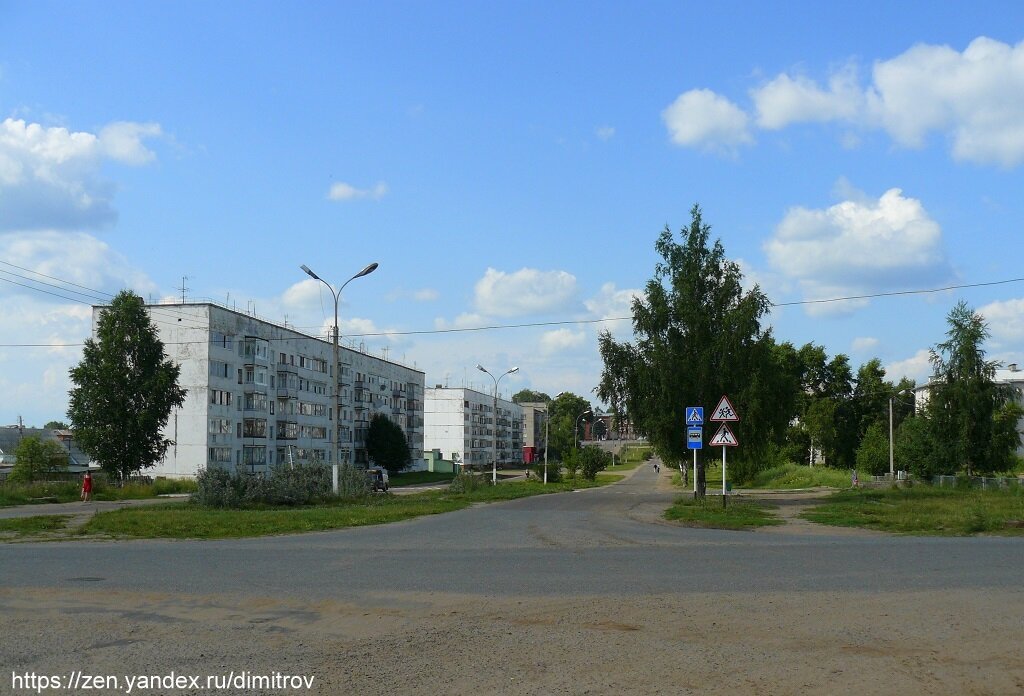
[724, 437]
[724, 411]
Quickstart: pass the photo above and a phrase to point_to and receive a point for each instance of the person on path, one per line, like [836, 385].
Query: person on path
[87, 487]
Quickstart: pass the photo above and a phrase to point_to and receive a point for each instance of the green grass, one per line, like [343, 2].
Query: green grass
[790, 476]
[188, 521]
[740, 514]
[633, 456]
[66, 491]
[411, 478]
[712, 474]
[30, 526]
[925, 510]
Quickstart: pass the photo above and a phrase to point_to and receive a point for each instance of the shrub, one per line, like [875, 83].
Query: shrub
[593, 459]
[467, 482]
[285, 485]
[554, 472]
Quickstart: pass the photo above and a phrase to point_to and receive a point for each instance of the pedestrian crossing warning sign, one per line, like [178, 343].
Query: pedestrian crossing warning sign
[694, 415]
[724, 411]
[724, 437]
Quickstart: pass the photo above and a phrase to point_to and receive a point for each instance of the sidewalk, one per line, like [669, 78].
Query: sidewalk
[84, 509]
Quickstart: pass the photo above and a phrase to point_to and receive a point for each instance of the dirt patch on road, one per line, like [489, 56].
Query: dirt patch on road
[430, 643]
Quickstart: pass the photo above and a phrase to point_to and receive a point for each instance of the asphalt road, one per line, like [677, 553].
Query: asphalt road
[585, 592]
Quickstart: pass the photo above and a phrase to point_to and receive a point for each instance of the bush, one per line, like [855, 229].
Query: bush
[571, 462]
[467, 482]
[285, 485]
[593, 459]
[554, 472]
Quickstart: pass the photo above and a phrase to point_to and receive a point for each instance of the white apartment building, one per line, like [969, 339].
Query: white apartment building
[535, 417]
[461, 423]
[258, 393]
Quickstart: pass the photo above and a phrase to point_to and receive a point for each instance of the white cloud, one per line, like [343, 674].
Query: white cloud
[425, 295]
[526, 291]
[1005, 323]
[917, 367]
[560, 340]
[858, 247]
[701, 118]
[303, 294]
[785, 100]
[72, 256]
[604, 132]
[341, 191]
[973, 97]
[863, 344]
[50, 178]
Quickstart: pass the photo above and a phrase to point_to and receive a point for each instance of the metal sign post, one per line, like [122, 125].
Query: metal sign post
[724, 438]
[694, 437]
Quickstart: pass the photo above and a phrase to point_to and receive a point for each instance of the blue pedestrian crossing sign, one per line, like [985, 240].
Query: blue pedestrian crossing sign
[694, 438]
[694, 415]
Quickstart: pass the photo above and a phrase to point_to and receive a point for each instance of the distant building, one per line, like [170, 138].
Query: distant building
[258, 393]
[535, 417]
[611, 428]
[78, 461]
[461, 423]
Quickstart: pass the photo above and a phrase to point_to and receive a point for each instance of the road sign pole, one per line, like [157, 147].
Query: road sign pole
[724, 499]
[695, 473]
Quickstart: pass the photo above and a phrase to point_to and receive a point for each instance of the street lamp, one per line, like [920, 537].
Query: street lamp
[337, 368]
[494, 440]
[576, 429]
[892, 468]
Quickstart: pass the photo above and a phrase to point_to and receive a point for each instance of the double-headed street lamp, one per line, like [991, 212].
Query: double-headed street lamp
[337, 368]
[494, 440]
[576, 429]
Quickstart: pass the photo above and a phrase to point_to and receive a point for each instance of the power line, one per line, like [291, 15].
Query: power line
[491, 327]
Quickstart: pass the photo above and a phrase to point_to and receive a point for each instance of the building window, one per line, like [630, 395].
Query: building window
[220, 455]
[221, 340]
[220, 397]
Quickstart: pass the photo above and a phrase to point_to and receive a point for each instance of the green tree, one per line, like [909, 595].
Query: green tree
[592, 459]
[698, 336]
[964, 403]
[915, 449]
[386, 444]
[528, 396]
[873, 452]
[566, 424]
[125, 388]
[35, 458]
[56, 425]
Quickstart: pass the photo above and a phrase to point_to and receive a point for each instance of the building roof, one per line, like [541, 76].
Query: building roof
[11, 436]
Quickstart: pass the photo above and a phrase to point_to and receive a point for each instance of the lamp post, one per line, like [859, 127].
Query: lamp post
[494, 439]
[892, 467]
[576, 429]
[336, 369]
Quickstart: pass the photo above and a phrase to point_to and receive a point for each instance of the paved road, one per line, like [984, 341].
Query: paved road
[437, 583]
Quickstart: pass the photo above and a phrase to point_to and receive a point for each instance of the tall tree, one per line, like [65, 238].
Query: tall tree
[566, 425]
[698, 336]
[386, 444]
[967, 409]
[125, 388]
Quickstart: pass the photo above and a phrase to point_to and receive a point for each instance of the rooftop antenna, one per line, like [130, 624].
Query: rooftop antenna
[183, 288]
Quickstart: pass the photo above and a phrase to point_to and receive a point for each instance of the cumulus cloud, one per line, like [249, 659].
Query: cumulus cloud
[425, 295]
[970, 97]
[857, 247]
[1005, 323]
[526, 291]
[785, 100]
[864, 344]
[918, 367]
[341, 191]
[701, 118]
[72, 256]
[49, 176]
[560, 339]
[604, 132]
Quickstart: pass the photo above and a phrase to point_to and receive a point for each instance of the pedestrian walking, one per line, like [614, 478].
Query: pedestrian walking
[87, 487]
[854, 480]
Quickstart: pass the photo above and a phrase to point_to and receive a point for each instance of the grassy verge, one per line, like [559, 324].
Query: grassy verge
[188, 521]
[12, 494]
[925, 510]
[712, 474]
[31, 526]
[410, 478]
[741, 514]
[791, 476]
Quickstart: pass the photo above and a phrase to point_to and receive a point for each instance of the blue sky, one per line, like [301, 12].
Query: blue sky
[507, 164]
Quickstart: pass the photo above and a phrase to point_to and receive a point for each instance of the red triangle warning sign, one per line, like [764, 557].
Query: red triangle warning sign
[724, 411]
[724, 437]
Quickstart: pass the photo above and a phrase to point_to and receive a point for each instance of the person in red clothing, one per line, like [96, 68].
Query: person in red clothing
[87, 487]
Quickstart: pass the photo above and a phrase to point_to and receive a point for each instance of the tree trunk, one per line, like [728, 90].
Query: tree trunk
[702, 483]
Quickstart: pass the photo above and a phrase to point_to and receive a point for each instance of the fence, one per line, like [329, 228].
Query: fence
[982, 482]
